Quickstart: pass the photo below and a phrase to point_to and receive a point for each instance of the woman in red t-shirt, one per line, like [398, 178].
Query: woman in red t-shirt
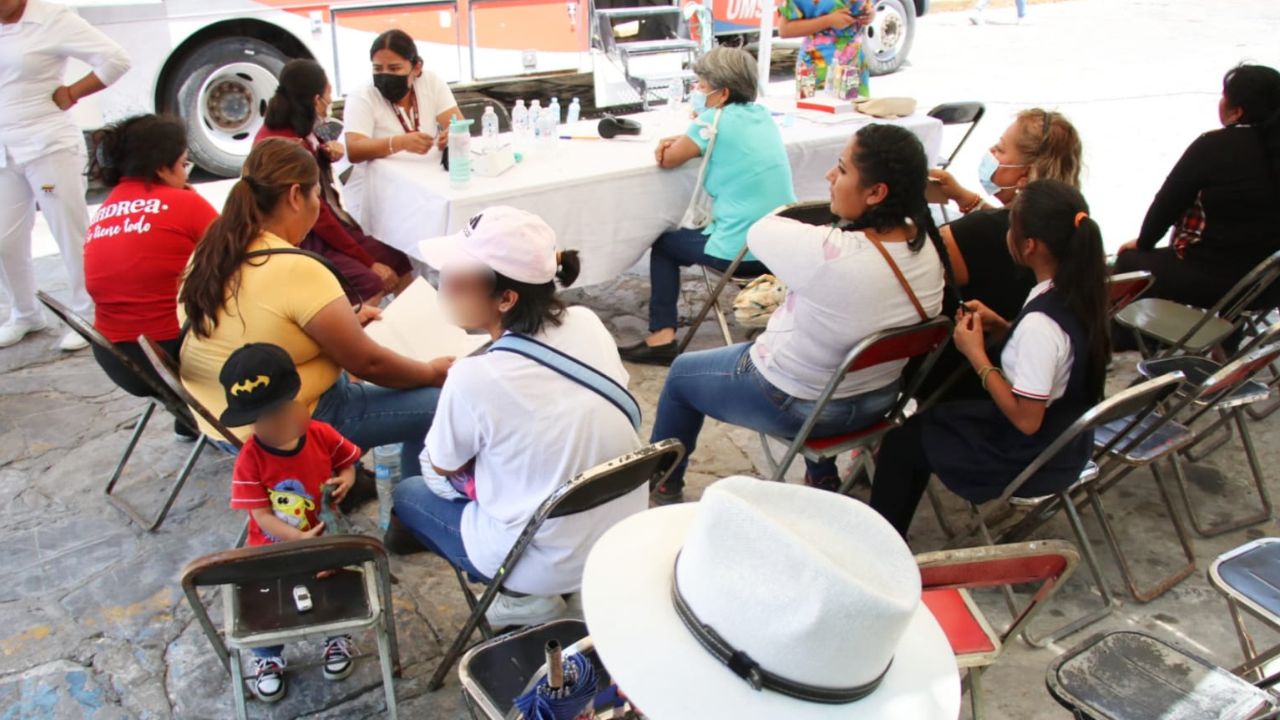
[141, 238]
[300, 104]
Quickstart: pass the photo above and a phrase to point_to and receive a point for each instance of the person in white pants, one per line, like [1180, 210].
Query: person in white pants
[42, 153]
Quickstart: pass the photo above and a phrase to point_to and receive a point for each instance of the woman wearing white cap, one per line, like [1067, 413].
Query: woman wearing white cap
[513, 426]
[42, 153]
[767, 601]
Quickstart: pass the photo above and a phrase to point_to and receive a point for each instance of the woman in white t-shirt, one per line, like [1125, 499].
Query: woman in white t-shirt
[840, 289]
[406, 109]
[509, 430]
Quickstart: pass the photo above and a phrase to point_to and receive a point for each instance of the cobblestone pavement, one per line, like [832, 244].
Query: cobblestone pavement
[93, 623]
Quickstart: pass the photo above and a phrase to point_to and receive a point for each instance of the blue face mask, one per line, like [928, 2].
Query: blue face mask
[698, 100]
[986, 173]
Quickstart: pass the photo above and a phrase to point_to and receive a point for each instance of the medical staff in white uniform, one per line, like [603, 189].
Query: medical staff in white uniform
[42, 153]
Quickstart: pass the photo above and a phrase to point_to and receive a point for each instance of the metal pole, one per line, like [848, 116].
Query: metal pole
[763, 61]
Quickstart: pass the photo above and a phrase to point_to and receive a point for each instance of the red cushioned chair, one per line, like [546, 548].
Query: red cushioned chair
[923, 340]
[949, 575]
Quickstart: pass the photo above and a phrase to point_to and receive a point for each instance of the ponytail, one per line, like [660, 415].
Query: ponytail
[1057, 215]
[537, 305]
[293, 105]
[274, 166]
[569, 267]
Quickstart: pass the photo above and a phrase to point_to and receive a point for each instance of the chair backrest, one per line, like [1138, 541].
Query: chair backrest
[926, 340]
[1135, 403]
[474, 109]
[1124, 288]
[1233, 305]
[1268, 336]
[1047, 562]
[959, 113]
[611, 480]
[1238, 371]
[167, 370]
[86, 330]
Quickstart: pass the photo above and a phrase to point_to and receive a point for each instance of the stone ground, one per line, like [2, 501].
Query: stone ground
[92, 621]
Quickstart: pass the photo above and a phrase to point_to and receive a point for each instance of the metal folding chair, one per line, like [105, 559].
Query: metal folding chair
[1134, 676]
[1227, 390]
[1131, 410]
[160, 396]
[958, 113]
[1125, 288]
[812, 213]
[258, 608]
[924, 340]
[497, 671]
[1249, 578]
[1182, 329]
[646, 467]
[949, 575]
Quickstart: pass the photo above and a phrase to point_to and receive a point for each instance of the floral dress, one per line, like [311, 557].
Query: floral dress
[838, 49]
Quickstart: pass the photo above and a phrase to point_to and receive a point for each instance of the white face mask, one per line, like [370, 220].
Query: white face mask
[986, 173]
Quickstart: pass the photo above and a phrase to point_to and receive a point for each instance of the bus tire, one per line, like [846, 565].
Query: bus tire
[221, 91]
[888, 40]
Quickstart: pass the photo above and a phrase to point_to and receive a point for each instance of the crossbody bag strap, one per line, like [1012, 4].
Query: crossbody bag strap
[711, 146]
[573, 369]
[902, 279]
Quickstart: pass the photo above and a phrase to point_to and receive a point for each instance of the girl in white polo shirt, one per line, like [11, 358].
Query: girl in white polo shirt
[1051, 369]
[515, 426]
[42, 153]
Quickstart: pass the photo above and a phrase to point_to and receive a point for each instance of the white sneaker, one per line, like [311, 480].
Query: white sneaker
[268, 678]
[507, 611]
[72, 341]
[12, 332]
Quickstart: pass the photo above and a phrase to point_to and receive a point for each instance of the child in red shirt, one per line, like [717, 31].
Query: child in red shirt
[279, 478]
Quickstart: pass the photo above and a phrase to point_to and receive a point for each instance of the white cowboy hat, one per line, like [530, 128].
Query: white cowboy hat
[801, 590]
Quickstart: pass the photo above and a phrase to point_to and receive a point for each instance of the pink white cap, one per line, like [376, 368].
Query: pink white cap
[511, 242]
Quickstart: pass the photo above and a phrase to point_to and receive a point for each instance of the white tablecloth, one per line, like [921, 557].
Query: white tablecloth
[605, 198]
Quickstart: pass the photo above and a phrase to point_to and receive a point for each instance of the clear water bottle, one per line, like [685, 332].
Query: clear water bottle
[386, 473]
[575, 112]
[549, 126]
[675, 97]
[535, 121]
[554, 109]
[489, 128]
[459, 152]
[519, 119]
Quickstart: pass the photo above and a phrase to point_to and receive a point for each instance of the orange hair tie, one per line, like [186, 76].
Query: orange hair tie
[1080, 216]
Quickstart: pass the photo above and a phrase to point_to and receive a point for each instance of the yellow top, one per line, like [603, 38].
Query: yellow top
[278, 296]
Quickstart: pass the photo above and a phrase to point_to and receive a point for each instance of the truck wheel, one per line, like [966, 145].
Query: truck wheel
[221, 91]
[889, 38]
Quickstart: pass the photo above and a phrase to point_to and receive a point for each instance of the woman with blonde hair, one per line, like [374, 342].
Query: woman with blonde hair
[1038, 145]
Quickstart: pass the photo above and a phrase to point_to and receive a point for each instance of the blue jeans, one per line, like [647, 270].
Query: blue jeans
[370, 416]
[673, 250]
[435, 521]
[725, 384]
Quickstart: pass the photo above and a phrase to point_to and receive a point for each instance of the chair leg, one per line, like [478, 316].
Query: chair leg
[1215, 529]
[385, 660]
[244, 535]
[153, 523]
[975, 692]
[1220, 433]
[713, 294]
[1247, 647]
[237, 685]
[1177, 576]
[935, 501]
[1091, 559]
[464, 635]
[139, 425]
[486, 632]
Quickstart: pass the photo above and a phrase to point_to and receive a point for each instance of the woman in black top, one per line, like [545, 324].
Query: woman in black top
[1222, 199]
[1038, 145]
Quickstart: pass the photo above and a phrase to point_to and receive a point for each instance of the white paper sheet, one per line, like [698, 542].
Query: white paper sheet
[415, 326]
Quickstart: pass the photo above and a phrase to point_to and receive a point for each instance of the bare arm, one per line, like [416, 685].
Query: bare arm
[958, 266]
[442, 122]
[361, 148]
[676, 151]
[337, 331]
[281, 530]
[803, 28]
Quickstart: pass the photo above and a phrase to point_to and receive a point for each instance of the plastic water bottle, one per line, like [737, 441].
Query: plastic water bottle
[554, 109]
[459, 152]
[549, 126]
[535, 121]
[519, 120]
[489, 128]
[575, 112]
[675, 97]
[386, 473]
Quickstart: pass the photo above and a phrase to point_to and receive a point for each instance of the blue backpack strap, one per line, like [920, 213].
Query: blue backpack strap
[573, 369]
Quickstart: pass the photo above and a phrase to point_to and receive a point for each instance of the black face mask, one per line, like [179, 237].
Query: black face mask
[393, 87]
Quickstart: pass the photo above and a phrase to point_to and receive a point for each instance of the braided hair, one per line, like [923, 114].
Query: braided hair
[893, 155]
